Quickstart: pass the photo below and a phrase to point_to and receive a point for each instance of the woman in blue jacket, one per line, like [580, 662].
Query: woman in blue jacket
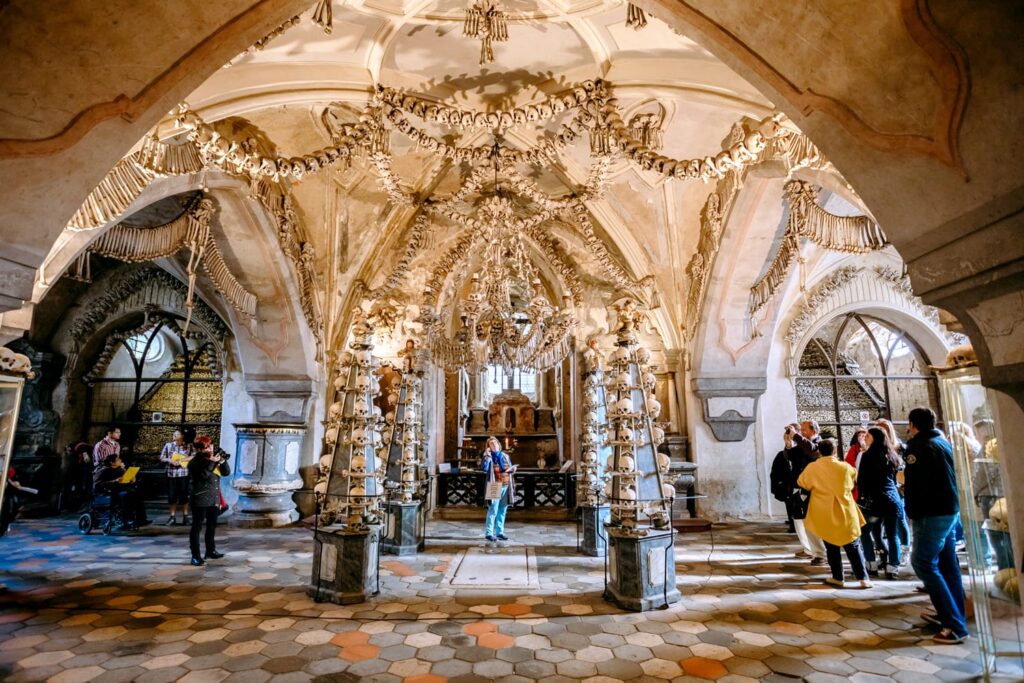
[498, 467]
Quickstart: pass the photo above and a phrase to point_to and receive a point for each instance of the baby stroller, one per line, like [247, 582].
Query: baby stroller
[104, 514]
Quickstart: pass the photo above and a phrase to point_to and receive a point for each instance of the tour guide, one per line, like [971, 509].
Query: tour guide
[498, 467]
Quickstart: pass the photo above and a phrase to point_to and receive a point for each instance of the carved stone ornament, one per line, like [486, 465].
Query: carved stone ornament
[729, 404]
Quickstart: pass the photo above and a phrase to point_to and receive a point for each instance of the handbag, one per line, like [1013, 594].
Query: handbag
[222, 505]
[493, 490]
[799, 501]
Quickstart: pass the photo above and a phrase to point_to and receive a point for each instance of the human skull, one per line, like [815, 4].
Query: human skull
[340, 382]
[361, 408]
[359, 437]
[961, 356]
[390, 417]
[334, 412]
[409, 454]
[668, 491]
[610, 463]
[359, 463]
[375, 438]
[331, 436]
[663, 462]
[624, 405]
[624, 434]
[375, 411]
[623, 381]
[627, 493]
[393, 398]
[653, 407]
[659, 435]
[590, 456]
[410, 413]
[362, 382]
[643, 356]
[619, 355]
[650, 381]
[321, 488]
[363, 358]
[325, 462]
[1000, 515]
[346, 358]
[626, 463]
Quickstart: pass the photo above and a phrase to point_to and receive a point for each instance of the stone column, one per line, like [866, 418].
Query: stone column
[266, 472]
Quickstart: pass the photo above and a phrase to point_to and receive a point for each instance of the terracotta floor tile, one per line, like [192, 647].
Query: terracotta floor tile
[703, 667]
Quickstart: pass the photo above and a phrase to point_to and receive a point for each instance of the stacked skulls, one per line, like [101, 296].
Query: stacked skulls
[638, 490]
[350, 482]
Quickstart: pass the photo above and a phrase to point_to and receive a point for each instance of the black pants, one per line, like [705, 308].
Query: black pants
[853, 553]
[208, 513]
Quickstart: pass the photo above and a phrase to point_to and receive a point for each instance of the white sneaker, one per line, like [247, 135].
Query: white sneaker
[866, 584]
[838, 583]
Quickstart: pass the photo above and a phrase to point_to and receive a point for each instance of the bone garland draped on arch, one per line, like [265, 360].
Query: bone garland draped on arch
[191, 230]
[594, 108]
[848, 234]
[784, 144]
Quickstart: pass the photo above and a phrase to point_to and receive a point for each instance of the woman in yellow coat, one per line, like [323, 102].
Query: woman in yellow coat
[833, 515]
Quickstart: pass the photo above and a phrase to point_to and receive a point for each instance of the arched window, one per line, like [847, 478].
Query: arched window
[152, 382]
[858, 369]
[498, 381]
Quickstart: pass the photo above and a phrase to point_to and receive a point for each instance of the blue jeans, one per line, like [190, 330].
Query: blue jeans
[934, 560]
[496, 509]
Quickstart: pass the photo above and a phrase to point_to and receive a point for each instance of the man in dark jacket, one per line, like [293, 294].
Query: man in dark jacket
[782, 484]
[933, 508]
[205, 470]
[802, 449]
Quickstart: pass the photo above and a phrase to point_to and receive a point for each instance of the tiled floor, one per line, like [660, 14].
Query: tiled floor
[125, 608]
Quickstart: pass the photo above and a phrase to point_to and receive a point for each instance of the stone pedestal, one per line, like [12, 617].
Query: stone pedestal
[403, 530]
[266, 472]
[685, 504]
[593, 538]
[345, 565]
[641, 570]
[477, 421]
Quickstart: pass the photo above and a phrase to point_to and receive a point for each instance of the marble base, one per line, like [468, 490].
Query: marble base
[592, 541]
[403, 529]
[264, 510]
[641, 570]
[345, 565]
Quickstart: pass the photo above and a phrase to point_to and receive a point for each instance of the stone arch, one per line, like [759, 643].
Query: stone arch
[879, 291]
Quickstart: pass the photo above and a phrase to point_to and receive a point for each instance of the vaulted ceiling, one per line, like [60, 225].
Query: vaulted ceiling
[651, 224]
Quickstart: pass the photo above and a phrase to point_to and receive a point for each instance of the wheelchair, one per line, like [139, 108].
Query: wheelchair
[104, 514]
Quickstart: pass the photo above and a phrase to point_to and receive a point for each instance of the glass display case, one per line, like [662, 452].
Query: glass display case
[10, 401]
[995, 590]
